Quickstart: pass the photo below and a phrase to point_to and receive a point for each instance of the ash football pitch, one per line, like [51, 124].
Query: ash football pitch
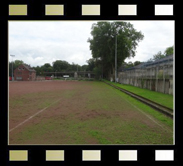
[81, 112]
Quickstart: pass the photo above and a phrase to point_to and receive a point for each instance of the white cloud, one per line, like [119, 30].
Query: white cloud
[158, 35]
[42, 42]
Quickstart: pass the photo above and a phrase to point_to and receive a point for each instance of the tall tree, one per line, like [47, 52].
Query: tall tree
[102, 44]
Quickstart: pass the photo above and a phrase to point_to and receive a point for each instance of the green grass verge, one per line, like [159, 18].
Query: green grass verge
[161, 98]
[158, 115]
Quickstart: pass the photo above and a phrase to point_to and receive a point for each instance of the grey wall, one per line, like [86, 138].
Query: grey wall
[155, 77]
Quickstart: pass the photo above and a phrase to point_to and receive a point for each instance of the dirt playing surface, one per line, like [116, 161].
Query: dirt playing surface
[78, 112]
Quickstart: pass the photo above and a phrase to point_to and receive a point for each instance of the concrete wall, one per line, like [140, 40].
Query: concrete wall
[156, 78]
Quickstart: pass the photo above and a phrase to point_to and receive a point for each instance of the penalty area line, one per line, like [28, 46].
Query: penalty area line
[32, 116]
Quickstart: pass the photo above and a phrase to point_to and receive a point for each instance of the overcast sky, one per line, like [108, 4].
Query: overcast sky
[37, 43]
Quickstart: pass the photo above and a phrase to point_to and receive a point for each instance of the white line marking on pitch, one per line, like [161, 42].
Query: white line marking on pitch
[149, 117]
[32, 116]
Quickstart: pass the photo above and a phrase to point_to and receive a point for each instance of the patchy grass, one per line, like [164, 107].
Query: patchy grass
[161, 98]
[92, 131]
[92, 113]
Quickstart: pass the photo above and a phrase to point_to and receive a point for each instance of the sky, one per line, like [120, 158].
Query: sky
[40, 42]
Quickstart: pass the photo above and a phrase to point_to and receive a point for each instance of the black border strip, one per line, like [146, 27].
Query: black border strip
[73, 154]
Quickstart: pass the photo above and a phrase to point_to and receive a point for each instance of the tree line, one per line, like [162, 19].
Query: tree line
[57, 66]
[168, 51]
[107, 38]
[103, 46]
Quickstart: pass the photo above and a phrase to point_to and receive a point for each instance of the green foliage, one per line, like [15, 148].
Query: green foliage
[47, 67]
[137, 63]
[122, 121]
[102, 45]
[157, 56]
[130, 64]
[16, 63]
[98, 72]
[150, 60]
[84, 67]
[168, 51]
[161, 98]
[39, 71]
[160, 55]
[91, 64]
[60, 65]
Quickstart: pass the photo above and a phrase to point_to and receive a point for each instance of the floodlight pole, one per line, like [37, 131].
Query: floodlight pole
[12, 66]
[115, 57]
[102, 67]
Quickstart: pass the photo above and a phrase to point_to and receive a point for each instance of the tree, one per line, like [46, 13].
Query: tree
[60, 65]
[84, 67]
[150, 60]
[137, 63]
[160, 55]
[16, 63]
[91, 64]
[130, 64]
[47, 65]
[39, 70]
[102, 45]
[47, 68]
[168, 51]
[157, 56]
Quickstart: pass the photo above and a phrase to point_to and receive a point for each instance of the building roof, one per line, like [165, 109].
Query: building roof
[28, 67]
[166, 59]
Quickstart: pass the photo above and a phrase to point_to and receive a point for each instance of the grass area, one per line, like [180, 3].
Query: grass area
[147, 109]
[157, 115]
[161, 98]
[93, 113]
[92, 131]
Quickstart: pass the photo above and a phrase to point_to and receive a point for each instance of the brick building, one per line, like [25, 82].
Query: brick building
[24, 73]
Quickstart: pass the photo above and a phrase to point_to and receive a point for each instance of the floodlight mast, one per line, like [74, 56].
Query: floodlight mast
[115, 58]
[116, 35]
[12, 66]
